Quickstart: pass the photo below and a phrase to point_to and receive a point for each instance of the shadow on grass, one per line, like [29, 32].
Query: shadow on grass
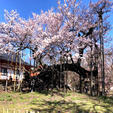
[52, 93]
[108, 100]
[107, 103]
[59, 107]
[63, 106]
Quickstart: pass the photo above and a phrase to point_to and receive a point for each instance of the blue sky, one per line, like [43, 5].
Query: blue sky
[26, 7]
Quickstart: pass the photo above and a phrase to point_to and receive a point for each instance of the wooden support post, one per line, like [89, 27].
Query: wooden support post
[19, 84]
[80, 79]
[100, 14]
[91, 66]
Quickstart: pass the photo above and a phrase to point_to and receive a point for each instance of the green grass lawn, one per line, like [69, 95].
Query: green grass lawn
[70, 102]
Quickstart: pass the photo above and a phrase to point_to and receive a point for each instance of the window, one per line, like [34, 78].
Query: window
[4, 71]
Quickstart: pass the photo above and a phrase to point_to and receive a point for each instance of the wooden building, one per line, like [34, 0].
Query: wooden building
[12, 67]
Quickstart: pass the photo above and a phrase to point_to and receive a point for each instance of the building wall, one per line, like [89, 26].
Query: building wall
[10, 72]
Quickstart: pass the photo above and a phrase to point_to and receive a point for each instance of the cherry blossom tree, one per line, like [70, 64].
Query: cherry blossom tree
[71, 33]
